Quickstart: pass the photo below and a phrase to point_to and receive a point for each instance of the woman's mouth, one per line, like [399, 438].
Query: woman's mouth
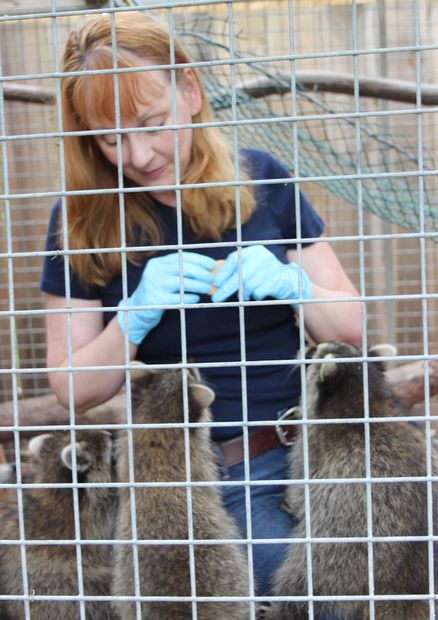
[156, 172]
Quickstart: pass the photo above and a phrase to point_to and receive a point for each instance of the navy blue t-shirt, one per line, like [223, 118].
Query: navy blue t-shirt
[213, 334]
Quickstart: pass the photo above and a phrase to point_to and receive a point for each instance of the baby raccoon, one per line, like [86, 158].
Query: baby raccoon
[335, 390]
[48, 514]
[162, 514]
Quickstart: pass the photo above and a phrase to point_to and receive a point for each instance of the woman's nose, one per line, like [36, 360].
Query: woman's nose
[139, 149]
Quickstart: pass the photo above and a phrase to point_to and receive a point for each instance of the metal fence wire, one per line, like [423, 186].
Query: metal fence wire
[119, 511]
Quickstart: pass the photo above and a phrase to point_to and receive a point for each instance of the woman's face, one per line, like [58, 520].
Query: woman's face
[148, 158]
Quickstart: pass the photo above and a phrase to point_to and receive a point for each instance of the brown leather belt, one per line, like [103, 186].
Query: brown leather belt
[260, 440]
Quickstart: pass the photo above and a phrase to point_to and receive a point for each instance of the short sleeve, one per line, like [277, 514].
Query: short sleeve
[312, 225]
[53, 274]
[280, 198]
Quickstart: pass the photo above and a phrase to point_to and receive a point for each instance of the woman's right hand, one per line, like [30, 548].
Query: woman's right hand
[160, 285]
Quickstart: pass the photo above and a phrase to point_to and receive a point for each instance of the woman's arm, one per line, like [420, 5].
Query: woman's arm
[92, 345]
[329, 321]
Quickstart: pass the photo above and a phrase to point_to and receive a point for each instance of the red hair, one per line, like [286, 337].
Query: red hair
[91, 218]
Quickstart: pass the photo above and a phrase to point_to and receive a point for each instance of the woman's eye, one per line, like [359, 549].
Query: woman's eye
[111, 140]
[154, 122]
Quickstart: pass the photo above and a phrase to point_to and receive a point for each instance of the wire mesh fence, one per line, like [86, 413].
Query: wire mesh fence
[367, 165]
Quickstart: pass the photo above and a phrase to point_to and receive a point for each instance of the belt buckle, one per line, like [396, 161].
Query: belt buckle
[281, 433]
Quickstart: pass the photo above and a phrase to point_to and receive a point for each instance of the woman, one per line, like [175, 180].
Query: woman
[147, 161]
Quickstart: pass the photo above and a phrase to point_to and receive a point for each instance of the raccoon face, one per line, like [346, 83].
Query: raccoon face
[336, 375]
[330, 352]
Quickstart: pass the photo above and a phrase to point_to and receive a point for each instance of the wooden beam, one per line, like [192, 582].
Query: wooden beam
[263, 86]
[46, 411]
[407, 382]
[22, 7]
[342, 83]
[30, 94]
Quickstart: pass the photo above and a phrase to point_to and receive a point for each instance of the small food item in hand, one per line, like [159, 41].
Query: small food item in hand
[219, 264]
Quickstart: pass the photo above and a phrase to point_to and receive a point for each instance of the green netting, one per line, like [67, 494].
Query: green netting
[328, 148]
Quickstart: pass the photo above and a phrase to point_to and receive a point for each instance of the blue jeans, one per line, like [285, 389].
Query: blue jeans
[267, 519]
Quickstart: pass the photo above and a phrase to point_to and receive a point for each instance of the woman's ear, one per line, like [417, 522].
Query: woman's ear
[193, 90]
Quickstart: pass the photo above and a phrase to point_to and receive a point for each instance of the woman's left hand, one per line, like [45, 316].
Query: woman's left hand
[263, 276]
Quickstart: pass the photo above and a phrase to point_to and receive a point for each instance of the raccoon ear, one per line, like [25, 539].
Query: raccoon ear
[194, 374]
[382, 350]
[6, 472]
[82, 457]
[203, 395]
[36, 444]
[139, 369]
[329, 370]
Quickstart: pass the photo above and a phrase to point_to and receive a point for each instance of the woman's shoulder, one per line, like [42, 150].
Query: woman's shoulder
[55, 208]
[263, 165]
[53, 226]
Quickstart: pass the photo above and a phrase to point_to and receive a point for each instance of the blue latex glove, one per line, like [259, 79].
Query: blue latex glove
[263, 276]
[160, 285]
